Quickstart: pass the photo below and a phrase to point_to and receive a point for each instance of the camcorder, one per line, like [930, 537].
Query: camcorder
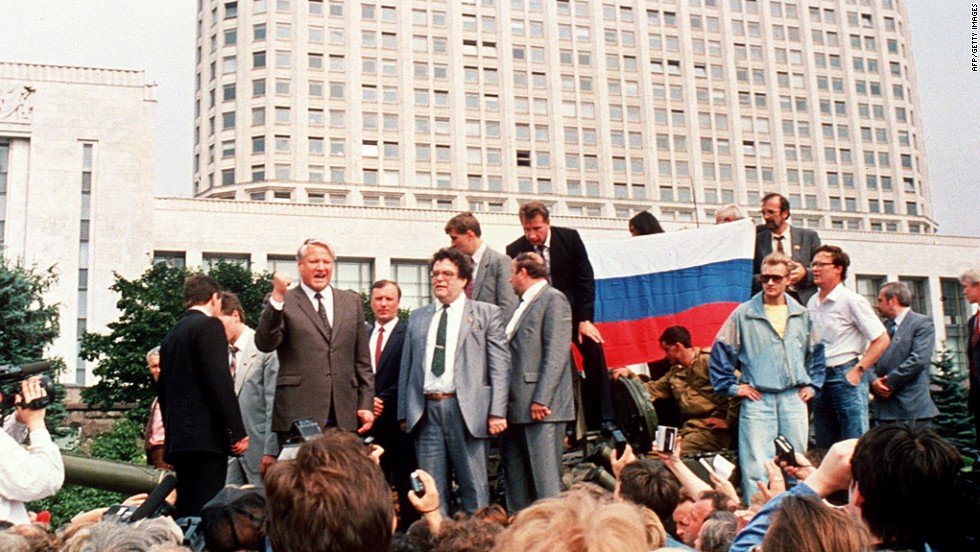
[13, 374]
[303, 430]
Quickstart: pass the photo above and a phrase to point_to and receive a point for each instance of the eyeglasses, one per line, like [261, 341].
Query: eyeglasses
[766, 278]
[447, 274]
[820, 265]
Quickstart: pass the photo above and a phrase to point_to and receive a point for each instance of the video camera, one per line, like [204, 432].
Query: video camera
[15, 374]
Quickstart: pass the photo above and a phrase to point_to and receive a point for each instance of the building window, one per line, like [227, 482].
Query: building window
[210, 260]
[353, 274]
[868, 286]
[413, 278]
[4, 171]
[174, 259]
[920, 293]
[956, 312]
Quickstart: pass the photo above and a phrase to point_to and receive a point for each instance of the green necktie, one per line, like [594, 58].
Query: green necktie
[439, 355]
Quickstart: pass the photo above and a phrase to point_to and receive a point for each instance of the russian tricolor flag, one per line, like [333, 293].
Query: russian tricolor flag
[692, 278]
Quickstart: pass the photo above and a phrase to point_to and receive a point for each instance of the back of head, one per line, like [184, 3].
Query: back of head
[906, 477]
[464, 222]
[575, 522]
[198, 290]
[718, 532]
[805, 524]
[468, 535]
[11, 542]
[649, 483]
[331, 498]
[108, 536]
[644, 224]
[234, 519]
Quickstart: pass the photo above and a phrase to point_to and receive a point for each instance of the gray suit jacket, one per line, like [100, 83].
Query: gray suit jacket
[255, 385]
[481, 369]
[315, 370]
[492, 282]
[540, 353]
[906, 362]
[805, 242]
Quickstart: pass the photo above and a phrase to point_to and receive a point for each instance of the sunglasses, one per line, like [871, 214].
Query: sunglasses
[766, 278]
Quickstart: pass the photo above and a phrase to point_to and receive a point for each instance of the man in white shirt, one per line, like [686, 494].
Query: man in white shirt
[452, 388]
[32, 473]
[853, 338]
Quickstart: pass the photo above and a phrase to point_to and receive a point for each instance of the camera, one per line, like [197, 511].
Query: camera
[15, 374]
[416, 482]
[666, 439]
[302, 430]
[784, 451]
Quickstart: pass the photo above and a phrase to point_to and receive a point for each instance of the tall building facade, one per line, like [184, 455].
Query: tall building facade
[598, 108]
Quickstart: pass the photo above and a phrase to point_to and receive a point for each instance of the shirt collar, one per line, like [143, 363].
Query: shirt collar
[388, 326]
[834, 293]
[244, 338]
[310, 293]
[478, 254]
[547, 240]
[533, 291]
[455, 305]
[901, 316]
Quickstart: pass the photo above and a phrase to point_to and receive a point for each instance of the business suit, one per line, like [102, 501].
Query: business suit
[492, 282]
[571, 273]
[801, 250]
[398, 461]
[255, 385]
[321, 372]
[973, 358]
[200, 412]
[456, 428]
[906, 362]
[541, 373]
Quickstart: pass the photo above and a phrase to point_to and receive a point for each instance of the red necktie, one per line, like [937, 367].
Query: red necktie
[377, 348]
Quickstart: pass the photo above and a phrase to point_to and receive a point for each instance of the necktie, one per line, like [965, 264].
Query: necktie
[439, 355]
[890, 325]
[377, 348]
[976, 330]
[468, 290]
[322, 311]
[779, 244]
[233, 365]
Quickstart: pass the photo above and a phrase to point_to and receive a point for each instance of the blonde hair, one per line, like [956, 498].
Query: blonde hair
[578, 522]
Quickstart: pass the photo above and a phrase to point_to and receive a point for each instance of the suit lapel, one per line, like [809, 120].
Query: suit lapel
[247, 364]
[396, 334]
[481, 273]
[464, 327]
[525, 316]
[306, 307]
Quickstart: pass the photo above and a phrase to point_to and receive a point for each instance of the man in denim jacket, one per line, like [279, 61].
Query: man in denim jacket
[782, 366]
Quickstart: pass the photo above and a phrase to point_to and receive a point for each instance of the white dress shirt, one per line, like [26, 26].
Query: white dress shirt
[526, 297]
[844, 322]
[787, 241]
[454, 317]
[373, 342]
[327, 298]
[26, 474]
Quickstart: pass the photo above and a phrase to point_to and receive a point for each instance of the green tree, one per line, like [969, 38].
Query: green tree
[28, 324]
[148, 307]
[950, 394]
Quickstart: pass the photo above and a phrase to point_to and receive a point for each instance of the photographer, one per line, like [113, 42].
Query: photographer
[33, 473]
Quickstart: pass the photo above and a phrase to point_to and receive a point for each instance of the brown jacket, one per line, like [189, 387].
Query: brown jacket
[691, 388]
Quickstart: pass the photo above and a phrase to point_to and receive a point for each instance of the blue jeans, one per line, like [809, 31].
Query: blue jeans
[840, 410]
[760, 422]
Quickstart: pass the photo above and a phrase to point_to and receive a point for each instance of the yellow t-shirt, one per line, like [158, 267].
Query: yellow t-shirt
[777, 315]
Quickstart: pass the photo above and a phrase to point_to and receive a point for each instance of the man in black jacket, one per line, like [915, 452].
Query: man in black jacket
[570, 272]
[197, 398]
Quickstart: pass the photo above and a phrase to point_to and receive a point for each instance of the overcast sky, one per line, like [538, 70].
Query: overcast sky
[157, 36]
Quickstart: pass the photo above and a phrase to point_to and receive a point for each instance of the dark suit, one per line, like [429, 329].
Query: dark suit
[973, 358]
[398, 461]
[571, 273]
[492, 282]
[541, 373]
[199, 408]
[255, 385]
[802, 250]
[321, 372]
[451, 435]
[906, 362]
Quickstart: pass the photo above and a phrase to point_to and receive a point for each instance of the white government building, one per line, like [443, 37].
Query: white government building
[370, 124]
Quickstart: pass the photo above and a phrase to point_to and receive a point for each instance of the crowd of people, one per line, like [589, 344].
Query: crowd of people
[413, 408]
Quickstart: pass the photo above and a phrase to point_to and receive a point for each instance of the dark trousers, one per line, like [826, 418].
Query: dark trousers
[397, 463]
[200, 475]
[595, 389]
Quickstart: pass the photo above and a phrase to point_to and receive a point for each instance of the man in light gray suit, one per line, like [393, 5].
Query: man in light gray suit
[901, 384]
[541, 398]
[452, 387]
[255, 374]
[491, 269]
[800, 244]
